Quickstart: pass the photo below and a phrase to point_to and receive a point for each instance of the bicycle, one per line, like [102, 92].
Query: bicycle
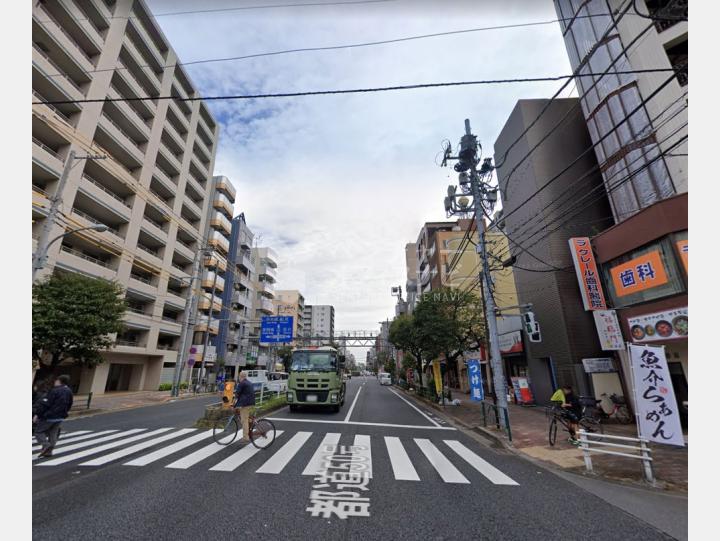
[262, 431]
[620, 410]
[556, 414]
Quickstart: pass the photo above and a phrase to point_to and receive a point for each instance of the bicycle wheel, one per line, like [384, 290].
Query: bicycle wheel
[225, 430]
[588, 424]
[623, 415]
[262, 434]
[552, 433]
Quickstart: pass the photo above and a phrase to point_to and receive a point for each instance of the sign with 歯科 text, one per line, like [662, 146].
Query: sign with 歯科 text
[587, 273]
[475, 379]
[667, 325]
[682, 248]
[655, 404]
[598, 365]
[608, 329]
[638, 274]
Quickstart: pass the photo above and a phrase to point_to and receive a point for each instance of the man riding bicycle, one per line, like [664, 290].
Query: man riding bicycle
[570, 408]
[244, 403]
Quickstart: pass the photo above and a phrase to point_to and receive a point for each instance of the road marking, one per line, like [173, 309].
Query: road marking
[317, 462]
[74, 446]
[64, 435]
[201, 454]
[279, 460]
[413, 407]
[64, 441]
[352, 407]
[488, 470]
[240, 457]
[135, 448]
[448, 472]
[166, 451]
[95, 450]
[400, 461]
[358, 423]
[363, 442]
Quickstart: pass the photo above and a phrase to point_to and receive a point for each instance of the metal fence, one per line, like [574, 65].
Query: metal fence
[590, 441]
[490, 413]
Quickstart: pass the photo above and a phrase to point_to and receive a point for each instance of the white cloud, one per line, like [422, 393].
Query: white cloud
[339, 184]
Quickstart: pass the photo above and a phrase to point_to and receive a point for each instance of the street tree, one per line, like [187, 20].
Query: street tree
[285, 355]
[73, 317]
[404, 335]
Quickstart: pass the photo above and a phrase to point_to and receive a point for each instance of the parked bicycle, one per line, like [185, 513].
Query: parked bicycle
[262, 431]
[620, 411]
[557, 416]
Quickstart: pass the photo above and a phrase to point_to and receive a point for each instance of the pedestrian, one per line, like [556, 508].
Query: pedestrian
[244, 403]
[50, 412]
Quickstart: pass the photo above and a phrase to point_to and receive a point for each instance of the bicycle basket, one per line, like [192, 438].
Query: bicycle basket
[588, 401]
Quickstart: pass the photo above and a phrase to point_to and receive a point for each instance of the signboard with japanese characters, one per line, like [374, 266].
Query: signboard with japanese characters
[511, 343]
[682, 248]
[475, 376]
[655, 404]
[608, 329]
[643, 272]
[598, 365]
[521, 387]
[587, 273]
[668, 325]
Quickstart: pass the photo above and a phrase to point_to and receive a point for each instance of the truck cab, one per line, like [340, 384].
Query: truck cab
[316, 378]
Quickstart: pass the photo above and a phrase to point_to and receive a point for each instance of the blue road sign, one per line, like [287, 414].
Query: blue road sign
[276, 329]
[475, 377]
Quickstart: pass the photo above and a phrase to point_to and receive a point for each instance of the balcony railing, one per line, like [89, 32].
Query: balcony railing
[54, 109]
[46, 148]
[124, 342]
[68, 36]
[125, 71]
[104, 189]
[125, 134]
[84, 256]
[39, 190]
[156, 224]
[148, 250]
[140, 278]
[93, 220]
[60, 71]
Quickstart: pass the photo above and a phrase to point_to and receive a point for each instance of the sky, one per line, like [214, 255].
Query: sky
[337, 185]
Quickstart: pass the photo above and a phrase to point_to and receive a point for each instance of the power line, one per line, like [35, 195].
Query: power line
[353, 90]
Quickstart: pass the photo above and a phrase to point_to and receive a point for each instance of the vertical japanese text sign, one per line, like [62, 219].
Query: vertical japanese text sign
[587, 273]
[475, 377]
[655, 404]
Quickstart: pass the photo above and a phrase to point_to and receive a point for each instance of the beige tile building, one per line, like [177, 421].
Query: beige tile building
[264, 278]
[290, 302]
[153, 189]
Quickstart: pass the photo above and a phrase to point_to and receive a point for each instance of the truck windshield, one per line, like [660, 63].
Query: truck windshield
[311, 361]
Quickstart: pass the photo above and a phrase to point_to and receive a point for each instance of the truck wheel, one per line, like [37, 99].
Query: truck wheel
[293, 407]
[336, 408]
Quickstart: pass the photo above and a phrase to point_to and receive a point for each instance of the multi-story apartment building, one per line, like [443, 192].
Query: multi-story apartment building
[643, 159]
[290, 302]
[233, 342]
[152, 188]
[265, 275]
[411, 269]
[319, 323]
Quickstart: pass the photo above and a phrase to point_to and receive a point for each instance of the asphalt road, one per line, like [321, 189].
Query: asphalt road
[428, 480]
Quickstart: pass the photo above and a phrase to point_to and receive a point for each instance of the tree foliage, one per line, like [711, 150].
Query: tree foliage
[73, 317]
[285, 355]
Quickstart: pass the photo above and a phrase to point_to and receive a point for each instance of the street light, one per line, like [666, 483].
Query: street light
[41, 254]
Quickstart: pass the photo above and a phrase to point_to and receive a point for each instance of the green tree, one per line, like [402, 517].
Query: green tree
[72, 318]
[404, 335]
[285, 355]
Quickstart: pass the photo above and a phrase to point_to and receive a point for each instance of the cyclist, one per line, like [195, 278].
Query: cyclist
[571, 410]
[244, 403]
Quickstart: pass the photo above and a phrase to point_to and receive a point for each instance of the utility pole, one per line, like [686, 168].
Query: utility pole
[187, 323]
[481, 193]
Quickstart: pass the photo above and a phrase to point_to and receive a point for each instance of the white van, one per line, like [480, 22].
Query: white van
[277, 382]
[258, 378]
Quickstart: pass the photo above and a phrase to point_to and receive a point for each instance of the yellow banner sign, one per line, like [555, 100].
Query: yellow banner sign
[437, 376]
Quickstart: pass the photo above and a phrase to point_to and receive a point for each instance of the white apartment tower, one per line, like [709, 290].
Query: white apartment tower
[153, 189]
[319, 323]
[265, 261]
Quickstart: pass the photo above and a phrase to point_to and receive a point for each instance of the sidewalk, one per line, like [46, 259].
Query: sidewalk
[529, 428]
[121, 400]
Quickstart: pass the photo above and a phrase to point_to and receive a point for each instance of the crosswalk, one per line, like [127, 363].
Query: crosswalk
[188, 447]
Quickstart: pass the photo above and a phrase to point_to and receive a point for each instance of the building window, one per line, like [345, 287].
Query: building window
[678, 56]
[667, 13]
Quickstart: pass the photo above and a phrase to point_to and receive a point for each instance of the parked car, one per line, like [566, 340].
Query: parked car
[384, 378]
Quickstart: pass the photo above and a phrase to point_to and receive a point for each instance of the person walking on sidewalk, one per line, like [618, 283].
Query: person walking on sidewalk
[51, 411]
[571, 409]
[244, 403]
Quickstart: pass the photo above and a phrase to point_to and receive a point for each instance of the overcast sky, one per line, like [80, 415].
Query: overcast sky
[337, 185]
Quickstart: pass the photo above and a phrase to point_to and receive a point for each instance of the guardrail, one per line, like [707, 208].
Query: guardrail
[590, 439]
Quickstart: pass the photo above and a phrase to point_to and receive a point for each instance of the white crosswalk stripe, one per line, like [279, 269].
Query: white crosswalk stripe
[280, 459]
[64, 441]
[446, 458]
[135, 448]
[445, 468]
[64, 435]
[488, 470]
[400, 461]
[316, 464]
[96, 450]
[237, 459]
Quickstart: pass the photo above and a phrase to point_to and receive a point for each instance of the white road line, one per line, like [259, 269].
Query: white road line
[96, 450]
[363, 441]
[448, 472]
[413, 407]
[279, 460]
[169, 450]
[488, 470]
[317, 462]
[64, 435]
[400, 461]
[201, 454]
[358, 423]
[74, 446]
[352, 407]
[239, 458]
[65, 441]
[135, 448]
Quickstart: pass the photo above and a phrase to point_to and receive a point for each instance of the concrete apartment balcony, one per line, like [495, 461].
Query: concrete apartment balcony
[266, 289]
[219, 242]
[224, 185]
[216, 260]
[245, 261]
[209, 278]
[204, 302]
[222, 203]
[266, 306]
[202, 325]
[46, 65]
[220, 222]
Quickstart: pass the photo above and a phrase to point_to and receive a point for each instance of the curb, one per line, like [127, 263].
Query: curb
[84, 414]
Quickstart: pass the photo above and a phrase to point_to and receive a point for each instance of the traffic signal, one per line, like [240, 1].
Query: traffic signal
[532, 327]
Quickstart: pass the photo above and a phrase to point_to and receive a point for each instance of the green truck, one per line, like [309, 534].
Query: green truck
[316, 378]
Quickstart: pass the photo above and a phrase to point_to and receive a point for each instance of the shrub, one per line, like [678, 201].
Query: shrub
[165, 387]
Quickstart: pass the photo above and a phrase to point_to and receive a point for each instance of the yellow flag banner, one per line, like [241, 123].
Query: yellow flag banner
[437, 376]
